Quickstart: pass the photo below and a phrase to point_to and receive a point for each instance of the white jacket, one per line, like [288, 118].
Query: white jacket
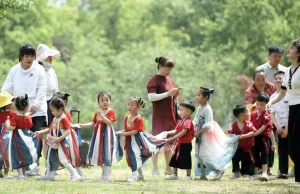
[31, 82]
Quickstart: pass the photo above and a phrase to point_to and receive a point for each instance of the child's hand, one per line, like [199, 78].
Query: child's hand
[119, 133]
[273, 147]
[58, 140]
[284, 134]
[7, 123]
[279, 130]
[170, 140]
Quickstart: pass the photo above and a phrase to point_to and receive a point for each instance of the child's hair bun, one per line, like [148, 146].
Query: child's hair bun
[211, 90]
[67, 95]
[157, 59]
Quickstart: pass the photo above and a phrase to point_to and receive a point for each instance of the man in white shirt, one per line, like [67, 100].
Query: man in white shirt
[273, 65]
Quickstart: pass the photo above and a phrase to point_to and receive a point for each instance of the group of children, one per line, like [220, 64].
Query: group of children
[214, 150]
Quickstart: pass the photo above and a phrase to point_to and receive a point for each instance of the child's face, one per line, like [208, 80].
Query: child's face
[104, 102]
[184, 112]
[27, 61]
[278, 80]
[200, 98]
[56, 112]
[245, 115]
[132, 107]
[260, 106]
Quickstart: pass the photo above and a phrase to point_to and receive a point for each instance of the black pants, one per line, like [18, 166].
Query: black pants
[247, 166]
[38, 123]
[283, 155]
[260, 149]
[294, 138]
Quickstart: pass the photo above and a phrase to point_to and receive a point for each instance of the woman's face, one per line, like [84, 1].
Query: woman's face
[27, 61]
[165, 71]
[260, 80]
[293, 53]
[49, 59]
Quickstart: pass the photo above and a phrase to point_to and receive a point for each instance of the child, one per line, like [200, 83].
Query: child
[139, 146]
[214, 150]
[263, 123]
[5, 111]
[245, 129]
[183, 136]
[104, 142]
[279, 115]
[23, 145]
[58, 138]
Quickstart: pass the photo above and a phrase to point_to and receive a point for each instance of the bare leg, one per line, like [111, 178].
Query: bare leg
[168, 156]
[155, 170]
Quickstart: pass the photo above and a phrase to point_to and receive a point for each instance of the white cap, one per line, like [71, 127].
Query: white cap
[43, 51]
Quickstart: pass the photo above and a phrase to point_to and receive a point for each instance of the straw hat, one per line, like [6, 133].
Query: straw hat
[5, 98]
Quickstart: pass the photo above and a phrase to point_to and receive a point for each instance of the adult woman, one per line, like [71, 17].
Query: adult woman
[161, 92]
[291, 84]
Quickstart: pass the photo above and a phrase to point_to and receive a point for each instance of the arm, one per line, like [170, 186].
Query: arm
[285, 131]
[128, 133]
[156, 97]
[45, 131]
[203, 130]
[8, 84]
[66, 133]
[244, 136]
[275, 122]
[41, 91]
[272, 140]
[8, 126]
[182, 133]
[277, 98]
[87, 125]
[260, 130]
[104, 118]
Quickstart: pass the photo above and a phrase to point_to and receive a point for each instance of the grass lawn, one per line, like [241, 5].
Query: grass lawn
[118, 183]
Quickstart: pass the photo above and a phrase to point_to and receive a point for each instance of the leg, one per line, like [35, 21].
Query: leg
[283, 156]
[236, 160]
[168, 155]
[155, 170]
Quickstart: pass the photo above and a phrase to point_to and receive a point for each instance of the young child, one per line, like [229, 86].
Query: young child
[104, 142]
[261, 120]
[245, 129]
[5, 111]
[279, 115]
[183, 136]
[58, 139]
[214, 150]
[23, 145]
[139, 146]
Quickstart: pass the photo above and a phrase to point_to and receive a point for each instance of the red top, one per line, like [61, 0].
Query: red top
[189, 135]
[21, 122]
[63, 124]
[246, 143]
[4, 115]
[136, 124]
[162, 119]
[110, 115]
[259, 121]
[68, 115]
[251, 92]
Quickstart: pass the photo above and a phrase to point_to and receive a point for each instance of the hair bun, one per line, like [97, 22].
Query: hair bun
[211, 90]
[157, 59]
[26, 96]
[67, 95]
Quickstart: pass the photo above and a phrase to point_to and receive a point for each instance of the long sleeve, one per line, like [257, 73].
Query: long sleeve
[41, 89]
[8, 84]
[208, 117]
[196, 119]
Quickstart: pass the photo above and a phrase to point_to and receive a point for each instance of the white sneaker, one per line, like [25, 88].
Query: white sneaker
[235, 175]
[171, 177]
[132, 179]
[219, 175]
[6, 176]
[102, 179]
[75, 177]
[155, 172]
[251, 178]
[294, 183]
[45, 178]
[187, 178]
[82, 178]
[264, 177]
[33, 172]
[20, 177]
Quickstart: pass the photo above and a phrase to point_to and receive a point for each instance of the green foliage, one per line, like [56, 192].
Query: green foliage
[111, 45]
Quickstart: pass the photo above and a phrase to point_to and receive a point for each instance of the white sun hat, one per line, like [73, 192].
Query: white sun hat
[43, 51]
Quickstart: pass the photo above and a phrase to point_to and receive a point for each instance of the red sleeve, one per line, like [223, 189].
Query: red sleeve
[187, 124]
[110, 115]
[65, 123]
[152, 86]
[139, 124]
[28, 122]
[95, 118]
[12, 114]
[13, 121]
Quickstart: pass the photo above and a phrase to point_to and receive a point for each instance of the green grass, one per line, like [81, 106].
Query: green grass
[118, 183]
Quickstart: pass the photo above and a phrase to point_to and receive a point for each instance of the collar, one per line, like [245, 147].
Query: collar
[268, 64]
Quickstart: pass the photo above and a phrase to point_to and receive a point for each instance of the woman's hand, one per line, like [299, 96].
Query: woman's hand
[173, 91]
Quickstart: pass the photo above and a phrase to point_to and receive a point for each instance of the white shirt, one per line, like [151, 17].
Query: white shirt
[270, 71]
[294, 93]
[31, 82]
[281, 109]
[52, 83]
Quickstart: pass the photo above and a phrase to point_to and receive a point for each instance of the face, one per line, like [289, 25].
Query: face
[292, 53]
[260, 80]
[132, 107]
[245, 115]
[200, 98]
[260, 106]
[56, 112]
[49, 59]
[27, 61]
[275, 58]
[165, 70]
[104, 102]
[278, 81]
[184, 112]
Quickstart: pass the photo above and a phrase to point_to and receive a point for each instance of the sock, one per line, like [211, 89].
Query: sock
[70, 168]
[140, 171]
[79, 170]
[105, 172]
[134, 174]
[20, 172]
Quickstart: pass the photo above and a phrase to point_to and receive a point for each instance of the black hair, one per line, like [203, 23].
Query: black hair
[263, 97]
[296, 44]
[62, 95]
[257, 72]
[26, 49]
[57, 103]
[239, 109]
[102, 93]
[139, 101]
[21, 102]
[206, 91]
[275, 49]
[279, 72]
[189, 105]
[164, 62]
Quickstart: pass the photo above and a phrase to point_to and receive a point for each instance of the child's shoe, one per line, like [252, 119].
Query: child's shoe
[82, 178]
[219, 175]
[203, 178]
[132, 179]
[294, 183]
[20, 177]
[171, 177]
[45, 178]
[187, 178]
[141, 178]
[235, 175]
[155, 172]
[6, 176]
[264, 177]
[282, 176]
[75, 177]
[102, 179]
